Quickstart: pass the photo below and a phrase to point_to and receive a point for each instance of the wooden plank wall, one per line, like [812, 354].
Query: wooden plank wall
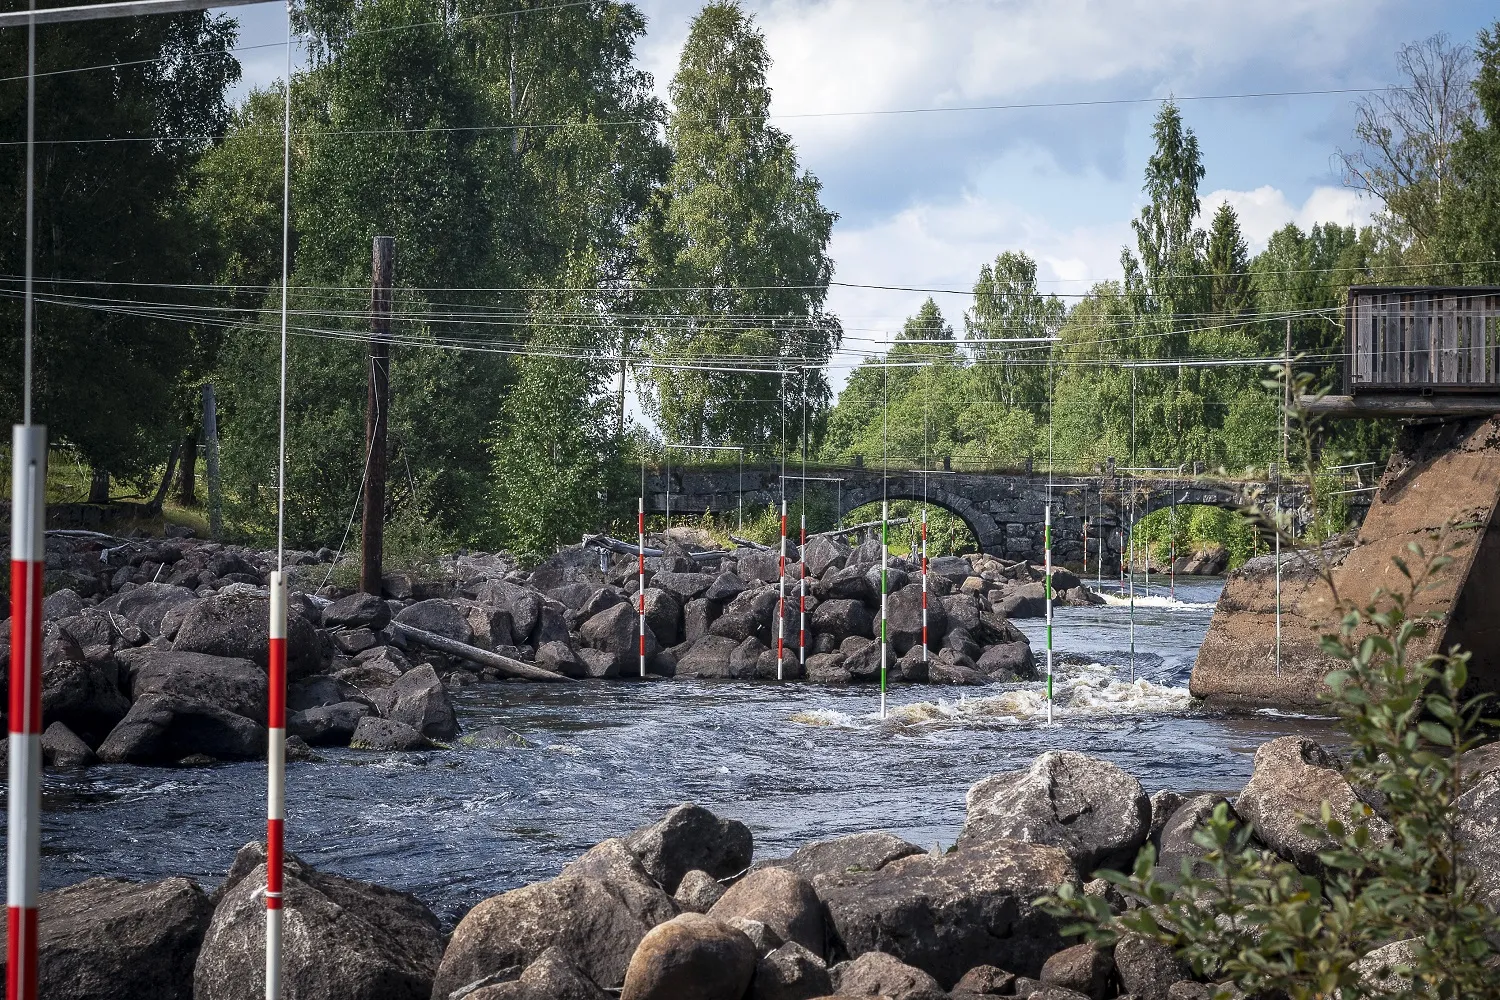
[1423, 337]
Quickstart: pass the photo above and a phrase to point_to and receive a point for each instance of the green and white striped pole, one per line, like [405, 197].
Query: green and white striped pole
[1047, 584]
[885, 548]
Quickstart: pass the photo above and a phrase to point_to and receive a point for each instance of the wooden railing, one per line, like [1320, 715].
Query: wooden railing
[1423, 339]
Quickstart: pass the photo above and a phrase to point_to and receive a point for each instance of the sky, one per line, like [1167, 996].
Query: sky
[925, 199]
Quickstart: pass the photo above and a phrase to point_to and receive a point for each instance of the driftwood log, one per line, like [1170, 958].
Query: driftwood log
[851, 528]
[627, 549]
[504, 664]
[746, 543]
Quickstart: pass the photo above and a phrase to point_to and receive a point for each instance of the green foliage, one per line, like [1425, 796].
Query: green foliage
[1256, 922]
[739, 232]
[947, 534]
[1193, 527]
[1469, 225]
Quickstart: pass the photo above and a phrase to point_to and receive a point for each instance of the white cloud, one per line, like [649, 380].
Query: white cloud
[1266, 209]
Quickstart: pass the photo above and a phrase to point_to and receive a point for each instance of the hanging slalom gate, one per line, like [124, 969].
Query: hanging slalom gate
[275, 783]
[27, 558]
[885, 549]
[781, 602]
[640, 578]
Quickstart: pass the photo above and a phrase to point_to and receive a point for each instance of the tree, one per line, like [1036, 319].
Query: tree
[1470, 223]
[1228, 259]
[110, 214]
[1407, 135]
[1006, 306]
[734, 251]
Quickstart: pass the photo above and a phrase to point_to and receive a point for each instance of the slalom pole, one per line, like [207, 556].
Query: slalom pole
[640, 576]
[802, 589]
[885, 514]
[27, 557]
[1172, 546]
[924, 585]
[276, 662]
[1278, 584]
[275, 783]
[781, 603]
[1132, 603]
[1047, 589]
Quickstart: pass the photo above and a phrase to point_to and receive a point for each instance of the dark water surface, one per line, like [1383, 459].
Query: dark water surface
[577, 764]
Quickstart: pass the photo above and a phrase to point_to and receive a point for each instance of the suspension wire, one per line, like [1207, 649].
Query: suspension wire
[802, 541]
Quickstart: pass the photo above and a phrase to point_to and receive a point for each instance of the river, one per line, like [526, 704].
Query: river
[570, 766]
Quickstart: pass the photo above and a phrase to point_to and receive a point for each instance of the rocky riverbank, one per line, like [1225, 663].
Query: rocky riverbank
[681, 909]
[156, 649]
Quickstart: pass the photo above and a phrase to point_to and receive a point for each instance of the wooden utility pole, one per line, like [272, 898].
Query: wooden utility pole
[377, 413]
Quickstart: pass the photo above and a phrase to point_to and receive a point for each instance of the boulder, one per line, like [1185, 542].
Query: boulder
[329, 725]
[697, 617]
[600, 664]
[617, 632]
[725, 588]
[523, 603]
[238, 625]
[862, 658]
[575, 913]
[856, 853]
[904, 619]
[553, 976]
[876, 973]
[947, 913]
[847, 584]
[828, 668]
[572, 595]
[762, 938]
[842, 618]
[161, 729]
[1083, 969]
[1148, 968]
[1028, 600]
[1175, 842]
[690, 837]
[145, 606]
[759, 567]
[663, 616]
[612, 864]
[779, 898]
[1008, 661]
[946, 670]
[745, 660]
[320, 690]
[1164, 803]
[419, 700]
[691, 957]
[82, 694]
[62, 604]
[441, 617]
[235, 685]
[1088, 807]
[682, 586]
[954, 568]
[602, 599]
[358, 610]
[824, 554]
[111, 939]
[1292, 779]
[1479, 833]
[790, 972]
[709, 658]
[913, 666]
[739, 626]
[61, 747]
[985, 981]
[561, 658]
[698, 892]
[372, 733]
[344, 939]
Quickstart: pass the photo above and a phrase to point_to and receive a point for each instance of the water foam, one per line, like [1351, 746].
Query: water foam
[1155, 601]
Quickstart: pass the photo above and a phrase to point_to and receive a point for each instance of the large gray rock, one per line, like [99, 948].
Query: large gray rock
[709, 658]
[329, 725]
[790, 972]
[876, 973]
[159, 729]
[441, 617]
[1088, 807]
[523, 603]
[82, 694]
[622, 873]
[663, 616]
[575, 913]
[617, 631]
[858, 852]
[954, 568]
[690, 837]
[372, 733]
[697, 892]
[146, 605]
[1147, 968]
[1027, 600]
[947, 913]
[1083, 969]
[1008, 661]
[1479, 833]
[1292, 779]
[343, 939]
[759, 567]
[62, 604]
[691, 957]
[236, 685]
[561, 658]
[726, 587]
[62, 748]
[850, 583]
[238, 625]
[904, 619]
[824, 554]
[553, 976]
[357, 611]
[110, 939]
[842, 618]
[1175, 842]
[682, 586]
[779, 898]
[419, 700]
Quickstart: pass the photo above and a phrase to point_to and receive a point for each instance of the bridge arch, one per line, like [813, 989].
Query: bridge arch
[988, 534]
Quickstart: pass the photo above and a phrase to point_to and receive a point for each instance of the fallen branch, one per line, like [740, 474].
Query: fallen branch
[850, 529]
[748, 544]
[625, 548]
[504, 664]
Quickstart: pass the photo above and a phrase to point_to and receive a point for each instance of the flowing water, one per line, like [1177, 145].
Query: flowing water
[546, 771]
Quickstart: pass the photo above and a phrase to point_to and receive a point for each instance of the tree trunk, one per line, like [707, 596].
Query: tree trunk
[166, 479]
[187, 480]
[99, 486]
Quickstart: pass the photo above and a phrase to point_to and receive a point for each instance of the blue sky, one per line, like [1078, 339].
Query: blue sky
[925, 199]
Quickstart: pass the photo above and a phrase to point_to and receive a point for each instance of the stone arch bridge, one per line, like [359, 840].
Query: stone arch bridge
[1005, 511]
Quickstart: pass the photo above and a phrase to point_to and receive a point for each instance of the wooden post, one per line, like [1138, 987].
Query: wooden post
[377, 412]
[211, 461]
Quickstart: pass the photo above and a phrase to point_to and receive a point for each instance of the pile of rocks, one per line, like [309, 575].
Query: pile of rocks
[677, 910]
[157, 650]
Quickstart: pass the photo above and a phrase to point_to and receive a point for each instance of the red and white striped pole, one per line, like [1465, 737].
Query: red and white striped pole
[640, 574]
[802, 593]
[27, 555]
[275, 785]
[924, 584]
[781, 604]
